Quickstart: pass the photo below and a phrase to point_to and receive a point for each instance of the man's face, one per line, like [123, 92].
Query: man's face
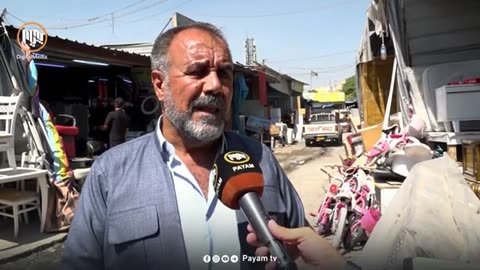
[197, 93]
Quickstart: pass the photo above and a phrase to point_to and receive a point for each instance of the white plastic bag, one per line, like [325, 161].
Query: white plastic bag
[434, 214]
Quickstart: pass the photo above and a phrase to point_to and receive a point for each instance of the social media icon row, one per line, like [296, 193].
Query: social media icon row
[223, 258]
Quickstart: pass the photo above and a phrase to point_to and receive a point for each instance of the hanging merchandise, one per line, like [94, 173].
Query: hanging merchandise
[383, 48]
[102, 89]
[99, 89]
[105, 90]
[239, 96]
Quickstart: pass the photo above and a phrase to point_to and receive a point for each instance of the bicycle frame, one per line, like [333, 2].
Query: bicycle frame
[363, 205]
[323, 217]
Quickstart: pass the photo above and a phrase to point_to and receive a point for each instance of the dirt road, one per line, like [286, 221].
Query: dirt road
[311, 184]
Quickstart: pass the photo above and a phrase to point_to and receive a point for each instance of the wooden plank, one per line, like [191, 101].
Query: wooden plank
[370, 136]
[452, 151]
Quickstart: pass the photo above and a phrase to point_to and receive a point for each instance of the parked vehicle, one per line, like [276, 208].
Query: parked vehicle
[323, 123]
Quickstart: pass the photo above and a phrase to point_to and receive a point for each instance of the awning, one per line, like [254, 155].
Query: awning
[281, 87]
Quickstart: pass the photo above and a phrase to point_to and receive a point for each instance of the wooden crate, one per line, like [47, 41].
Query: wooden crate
[471, 159]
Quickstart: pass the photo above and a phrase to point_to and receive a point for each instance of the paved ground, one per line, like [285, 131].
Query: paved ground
[301, 163]
[46, 259]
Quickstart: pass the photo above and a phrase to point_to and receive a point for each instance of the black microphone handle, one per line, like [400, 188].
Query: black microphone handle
[258, 218]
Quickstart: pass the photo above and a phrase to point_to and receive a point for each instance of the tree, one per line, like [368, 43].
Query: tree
[349, 88]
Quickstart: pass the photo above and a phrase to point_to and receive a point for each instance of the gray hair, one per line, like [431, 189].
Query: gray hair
[160, 57]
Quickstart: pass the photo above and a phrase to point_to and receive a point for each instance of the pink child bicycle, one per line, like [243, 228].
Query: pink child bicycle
[326, 214]
[363, 215]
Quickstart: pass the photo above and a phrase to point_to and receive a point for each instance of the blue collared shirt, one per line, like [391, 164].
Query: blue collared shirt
[208, 226]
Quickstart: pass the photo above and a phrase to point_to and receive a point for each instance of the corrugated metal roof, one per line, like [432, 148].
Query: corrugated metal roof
[13, 28]
[142, 48]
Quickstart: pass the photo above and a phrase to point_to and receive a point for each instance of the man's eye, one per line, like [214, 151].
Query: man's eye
[199, 72]
[224, 74]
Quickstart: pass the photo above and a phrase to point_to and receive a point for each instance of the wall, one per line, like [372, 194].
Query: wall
[296, 86]
[280, 100]
[282, 87]
[252, 107]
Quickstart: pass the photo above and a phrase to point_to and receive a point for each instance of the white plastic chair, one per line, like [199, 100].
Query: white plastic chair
[8, 116]
[20, 202]
[9, 109]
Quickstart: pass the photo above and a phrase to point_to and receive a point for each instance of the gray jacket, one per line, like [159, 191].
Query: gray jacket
[127, 216]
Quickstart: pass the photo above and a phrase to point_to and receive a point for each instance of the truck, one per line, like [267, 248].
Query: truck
[323, 123]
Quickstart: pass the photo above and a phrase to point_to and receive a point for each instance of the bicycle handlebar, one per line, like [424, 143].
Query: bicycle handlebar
[325, 172]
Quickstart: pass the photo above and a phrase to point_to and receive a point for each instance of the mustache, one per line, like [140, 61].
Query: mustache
[208, 101]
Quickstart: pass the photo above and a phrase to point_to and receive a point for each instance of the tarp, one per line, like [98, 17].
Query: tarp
[434, 214]
[61, 170]
[15, 67]
[63, 194]
[428, 33]
[433, 32]
[375, 14]
[240, 92]
[262, 88]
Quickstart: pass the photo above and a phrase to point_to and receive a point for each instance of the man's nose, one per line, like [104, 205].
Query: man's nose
[212, 83]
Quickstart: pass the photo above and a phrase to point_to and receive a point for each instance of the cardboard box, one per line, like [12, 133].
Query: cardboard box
[274, 130]
[371, 135]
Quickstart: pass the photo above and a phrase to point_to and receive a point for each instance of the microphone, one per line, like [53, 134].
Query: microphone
[238, 183]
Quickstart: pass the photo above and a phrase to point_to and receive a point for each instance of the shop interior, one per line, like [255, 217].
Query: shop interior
[85, 91]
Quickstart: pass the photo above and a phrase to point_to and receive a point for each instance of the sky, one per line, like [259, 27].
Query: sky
[293, 37]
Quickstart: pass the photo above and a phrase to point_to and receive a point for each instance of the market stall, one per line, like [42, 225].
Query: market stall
[416, 154]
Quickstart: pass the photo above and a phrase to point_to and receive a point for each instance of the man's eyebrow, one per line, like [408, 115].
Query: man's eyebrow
[195, 65]
[228, 66]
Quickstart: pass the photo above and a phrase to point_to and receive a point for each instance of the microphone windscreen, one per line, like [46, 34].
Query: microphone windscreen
[235, 174]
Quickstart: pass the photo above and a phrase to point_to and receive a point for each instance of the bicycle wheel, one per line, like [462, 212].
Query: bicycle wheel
[355, 237]
[340, 227]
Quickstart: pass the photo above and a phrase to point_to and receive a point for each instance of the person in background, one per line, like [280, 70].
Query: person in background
[117, 122]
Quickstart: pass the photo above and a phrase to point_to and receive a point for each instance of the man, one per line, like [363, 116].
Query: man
[98, 114]
[117, 123]
[149, 203]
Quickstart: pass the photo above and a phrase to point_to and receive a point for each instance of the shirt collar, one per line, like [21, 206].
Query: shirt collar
[168, 150]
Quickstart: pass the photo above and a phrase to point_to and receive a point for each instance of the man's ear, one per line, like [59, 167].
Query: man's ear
[158, 82]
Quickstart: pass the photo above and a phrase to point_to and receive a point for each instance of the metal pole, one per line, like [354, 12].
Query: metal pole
[311, 82]
[386, 118]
